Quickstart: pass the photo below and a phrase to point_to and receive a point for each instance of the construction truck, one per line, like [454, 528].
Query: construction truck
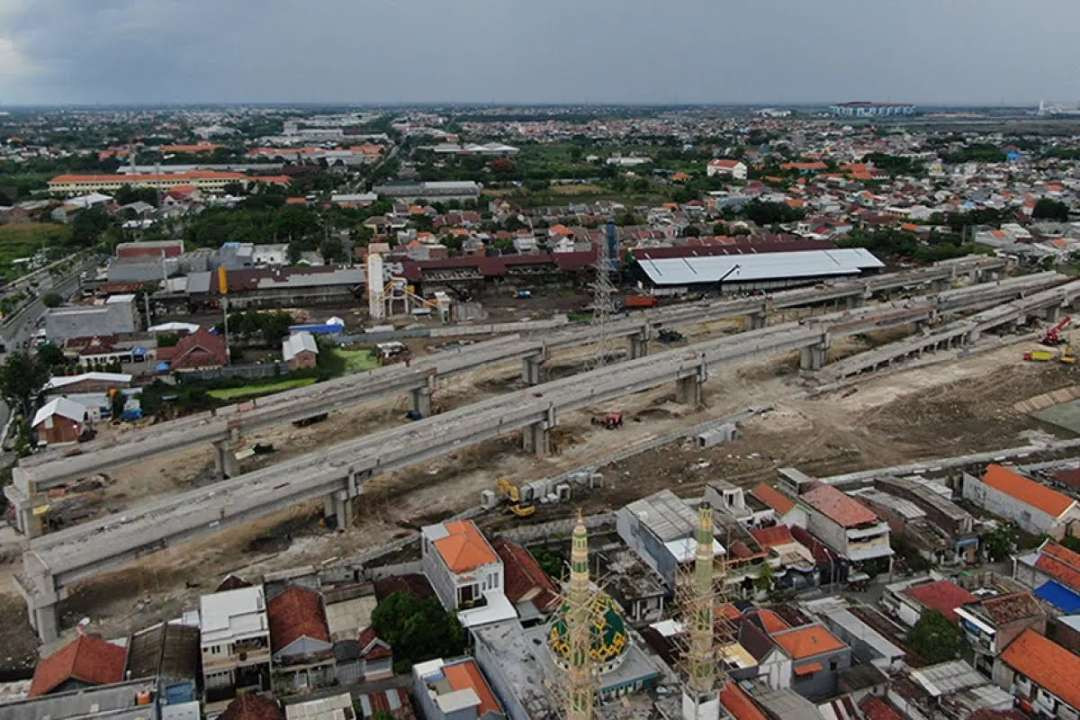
[1064, 356]
[512, 493]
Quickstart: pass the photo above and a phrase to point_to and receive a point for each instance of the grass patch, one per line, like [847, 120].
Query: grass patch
[20, 240]
[356, 361]
[255, 390]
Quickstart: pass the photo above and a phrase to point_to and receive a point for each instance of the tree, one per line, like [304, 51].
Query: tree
[52, 299]
[935, 639]
[51, 356]
[21, 378]
[332, 250]
[417, 629]
[1049, 209]
[765, 578]
[116, 404]
[1000, 542]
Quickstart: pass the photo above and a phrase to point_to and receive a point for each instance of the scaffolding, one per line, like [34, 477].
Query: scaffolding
[603, 298]
[700, 592]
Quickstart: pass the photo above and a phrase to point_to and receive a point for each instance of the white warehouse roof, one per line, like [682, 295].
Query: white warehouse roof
[759, 266]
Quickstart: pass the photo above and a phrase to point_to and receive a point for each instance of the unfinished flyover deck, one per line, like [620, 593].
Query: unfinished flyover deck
[53, 563]
[36, 475]
[960, 333]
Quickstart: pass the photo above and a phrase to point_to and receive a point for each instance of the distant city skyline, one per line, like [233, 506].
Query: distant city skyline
[929, 52]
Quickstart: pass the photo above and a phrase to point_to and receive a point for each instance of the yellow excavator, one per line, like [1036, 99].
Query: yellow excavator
[513, 495]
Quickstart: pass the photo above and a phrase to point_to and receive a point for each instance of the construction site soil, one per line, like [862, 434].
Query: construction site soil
[955, 406]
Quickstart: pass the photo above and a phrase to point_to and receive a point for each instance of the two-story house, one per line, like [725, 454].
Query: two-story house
[1036, 508]
[234, 640]
[846, 526]
[994, 622]
[465, 571]
[1042, 675]
[303, 655]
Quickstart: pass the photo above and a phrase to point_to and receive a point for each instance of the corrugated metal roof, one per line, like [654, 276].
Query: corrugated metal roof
[760, 266]
[666, 515]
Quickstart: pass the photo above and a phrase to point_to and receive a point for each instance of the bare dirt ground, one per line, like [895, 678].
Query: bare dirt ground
[939, 410]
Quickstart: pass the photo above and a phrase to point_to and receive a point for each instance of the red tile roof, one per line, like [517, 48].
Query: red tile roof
[809, 668]
[252, 707]
[772, 497]
[523, 578]
[838, 506]
[1047, 664]
[200, 349]
[1060, 563]
[1027, 491]
[88, 659]
[372, 647]
[772, 622]
[807, 642]
[296, 613]
[874, 708]
[739, 704]
[773, 536]
[941, 595]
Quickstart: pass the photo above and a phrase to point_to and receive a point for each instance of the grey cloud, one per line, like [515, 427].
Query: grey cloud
[930, 51]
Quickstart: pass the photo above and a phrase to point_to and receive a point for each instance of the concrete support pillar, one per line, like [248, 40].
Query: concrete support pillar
[1053, 314]
[639, 345]
[532, 369]
[45, 619]
[854, 301]
[815, 356]
[343, 509]
[328, 506]
[758, 320]
[421, 400]
[535, 440]
[688, 391]
[225, 459]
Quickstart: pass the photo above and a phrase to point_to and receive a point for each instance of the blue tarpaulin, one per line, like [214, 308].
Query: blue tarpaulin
[1059, 596]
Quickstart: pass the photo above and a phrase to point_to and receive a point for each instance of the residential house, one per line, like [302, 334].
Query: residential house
[465, 572]
[850, 529]
[454, 690]
[817, 656]
[252, 706]
[234, 644]
[527, 586]
[909, 600]
[116, 316]
[785, 510]
[86, 661]
[1036, 508]
[199, 350]
[1052, 571]
[735, 169]
[302, 654]
[376, 656]
[661, 529]
[60, 421]
[1042, 675]
[992, 623]
[300, 351]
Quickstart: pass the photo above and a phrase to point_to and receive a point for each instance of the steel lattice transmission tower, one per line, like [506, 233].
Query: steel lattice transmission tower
[604, 293]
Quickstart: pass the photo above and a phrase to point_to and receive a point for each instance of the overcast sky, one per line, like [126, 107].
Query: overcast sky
[639, 51]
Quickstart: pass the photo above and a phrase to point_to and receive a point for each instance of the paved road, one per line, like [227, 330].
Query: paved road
[21, 327]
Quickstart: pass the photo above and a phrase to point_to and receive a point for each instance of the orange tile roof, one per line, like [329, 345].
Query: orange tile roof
[772, 622]
[161, 177]
[199, 147]
[88, 659]
[739, 704]
[1061, 564]
[807, 642]
[465, 675]
[772, 497]
[728, 611]
[1027, 491]
[809, 668]
[464, 549]
[1047, 664]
